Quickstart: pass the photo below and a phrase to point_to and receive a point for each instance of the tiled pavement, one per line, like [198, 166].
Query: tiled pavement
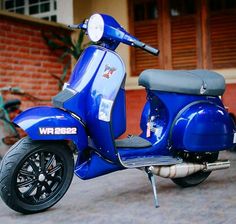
[126, 197]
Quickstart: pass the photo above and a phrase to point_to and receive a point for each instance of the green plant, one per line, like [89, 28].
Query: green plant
[69, 48]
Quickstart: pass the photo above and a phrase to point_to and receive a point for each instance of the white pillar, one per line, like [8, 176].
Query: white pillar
[65, 11]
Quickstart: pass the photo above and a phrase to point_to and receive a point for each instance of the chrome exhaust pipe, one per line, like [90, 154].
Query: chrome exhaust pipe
[218, 165]
[186, 169]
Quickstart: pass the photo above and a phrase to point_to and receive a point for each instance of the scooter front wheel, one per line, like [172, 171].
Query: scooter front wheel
[34, 175]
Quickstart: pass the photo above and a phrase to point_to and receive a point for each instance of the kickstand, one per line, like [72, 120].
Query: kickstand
[152, 179]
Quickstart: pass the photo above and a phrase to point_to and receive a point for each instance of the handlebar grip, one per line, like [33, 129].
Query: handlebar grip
[146, 47]
[74, 26]
[3, 89]
[16, 90]
[152, 50]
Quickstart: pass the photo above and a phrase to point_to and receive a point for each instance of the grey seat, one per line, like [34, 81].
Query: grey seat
[195, 82]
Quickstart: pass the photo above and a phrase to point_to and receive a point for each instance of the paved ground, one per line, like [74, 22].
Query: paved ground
[126, 197]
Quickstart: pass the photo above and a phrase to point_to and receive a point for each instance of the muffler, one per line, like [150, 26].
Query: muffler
[186, 169]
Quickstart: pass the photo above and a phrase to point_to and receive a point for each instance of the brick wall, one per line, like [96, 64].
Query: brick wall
[26, 61]
[135, 100]
[229, 97]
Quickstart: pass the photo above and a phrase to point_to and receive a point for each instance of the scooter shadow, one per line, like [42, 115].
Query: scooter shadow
[143, 191]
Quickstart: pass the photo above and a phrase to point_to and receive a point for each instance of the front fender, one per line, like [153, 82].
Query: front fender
[49, 123]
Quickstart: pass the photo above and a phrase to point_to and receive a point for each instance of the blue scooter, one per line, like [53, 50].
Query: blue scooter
[184, 126]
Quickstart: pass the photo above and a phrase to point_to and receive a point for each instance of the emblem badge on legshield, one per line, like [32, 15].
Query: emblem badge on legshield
[108, 71]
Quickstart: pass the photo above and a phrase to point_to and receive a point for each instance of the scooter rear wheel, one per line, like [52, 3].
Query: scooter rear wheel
[34, 175]
[199, 177]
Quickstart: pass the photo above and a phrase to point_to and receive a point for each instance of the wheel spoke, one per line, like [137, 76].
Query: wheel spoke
[50, 161]
[55, 169]
[30, 190]
[25, 183]
[26, 173]
[39, 192]
[58, 179]
[42, 160]
[54, 179]
[34, 166]
[47, 187]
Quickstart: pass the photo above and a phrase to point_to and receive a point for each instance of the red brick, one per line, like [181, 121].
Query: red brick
[2, 32]
[41, 70]
[37, 45]
[36, 39]
[5, 80]
[24, 50]
[6, 54]
[5, 27]
[6, 66]
[50, 65]
[6, 40]
[18, 30]
[12, 48]
[35, 51]
[18, 67]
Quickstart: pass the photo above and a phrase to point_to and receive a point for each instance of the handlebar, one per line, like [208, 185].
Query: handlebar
[74, 26]
[19, 91]
[119, 35]
[146, 47]
[15, 90]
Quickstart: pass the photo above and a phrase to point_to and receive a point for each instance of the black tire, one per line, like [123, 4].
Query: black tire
[8, 136]
[199, 177]
[34, 175]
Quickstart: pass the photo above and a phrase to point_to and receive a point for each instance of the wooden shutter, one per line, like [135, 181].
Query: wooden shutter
[147, 32]
[145, 19]
[184, 42]
[223, 38]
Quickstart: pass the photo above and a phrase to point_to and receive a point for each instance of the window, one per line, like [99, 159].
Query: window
[189, 33]
[145, 10]
[222, 33]
[44, 9]
[221, 5]
[182, 7]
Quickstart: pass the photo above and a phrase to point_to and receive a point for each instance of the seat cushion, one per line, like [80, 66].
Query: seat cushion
[195, 82]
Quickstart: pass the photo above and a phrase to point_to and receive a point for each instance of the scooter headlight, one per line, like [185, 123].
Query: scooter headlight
[95, 27]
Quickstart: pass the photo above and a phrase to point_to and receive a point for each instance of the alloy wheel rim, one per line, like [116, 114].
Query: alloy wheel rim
[40, 177]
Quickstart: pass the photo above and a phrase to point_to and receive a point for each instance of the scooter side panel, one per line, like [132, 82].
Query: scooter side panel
[101, 102]
[48, 123]
[160, 113]
[73, 97]
[157, 117]
[203, 127]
